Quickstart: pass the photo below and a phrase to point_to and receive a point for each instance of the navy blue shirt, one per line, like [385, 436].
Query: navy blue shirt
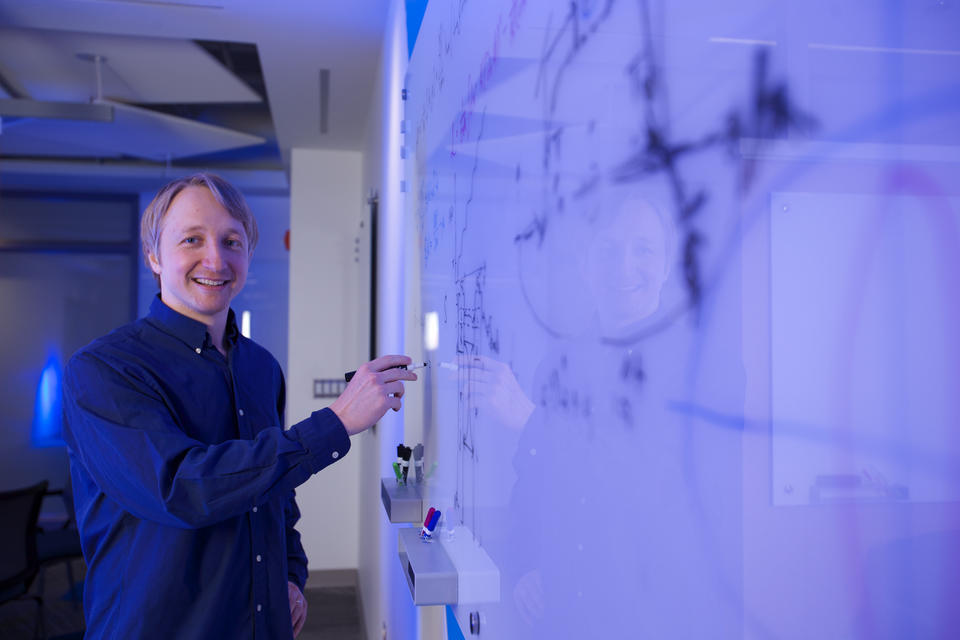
[183, 479]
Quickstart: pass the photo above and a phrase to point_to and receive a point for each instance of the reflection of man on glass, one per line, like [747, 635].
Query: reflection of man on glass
[626, 265]
[592, 413]
[600, 270]
[182, 471]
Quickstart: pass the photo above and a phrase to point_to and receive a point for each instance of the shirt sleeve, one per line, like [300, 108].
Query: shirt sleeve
[119, 427]
[296, 556]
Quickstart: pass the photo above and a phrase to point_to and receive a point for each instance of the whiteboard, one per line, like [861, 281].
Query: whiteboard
[585, 383]
[677, 265]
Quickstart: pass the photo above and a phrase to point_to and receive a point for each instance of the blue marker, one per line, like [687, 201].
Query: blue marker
[430, 524]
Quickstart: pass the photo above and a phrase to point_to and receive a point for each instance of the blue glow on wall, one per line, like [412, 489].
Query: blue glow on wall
[453, 627]
[47, 412]
[415, 11]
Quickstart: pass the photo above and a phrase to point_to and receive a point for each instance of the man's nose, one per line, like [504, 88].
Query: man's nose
[213, 256]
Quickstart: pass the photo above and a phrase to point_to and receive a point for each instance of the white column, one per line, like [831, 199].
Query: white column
[328, 335]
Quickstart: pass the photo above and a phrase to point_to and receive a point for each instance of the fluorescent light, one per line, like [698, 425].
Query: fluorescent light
[829, 149]
[431, 330]
[749, 41]
[163, 3]
[245, 324]
[857, 48]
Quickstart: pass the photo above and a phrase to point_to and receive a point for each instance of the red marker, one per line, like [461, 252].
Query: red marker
[426, 522]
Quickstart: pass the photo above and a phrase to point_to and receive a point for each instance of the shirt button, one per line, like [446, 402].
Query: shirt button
[241, 412]
[336, 454]
[254, 509]
[259, 607]
[258, 557]
[198, 349]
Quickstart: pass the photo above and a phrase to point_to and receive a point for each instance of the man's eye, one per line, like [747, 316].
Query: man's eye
[191, 240]
[236, 244]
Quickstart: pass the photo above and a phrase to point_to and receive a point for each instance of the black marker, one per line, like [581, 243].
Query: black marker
[418, 461]
[405, 465]
[398, 465]
[348, 376]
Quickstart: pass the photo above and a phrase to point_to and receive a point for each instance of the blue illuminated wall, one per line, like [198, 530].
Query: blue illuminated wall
[47, 419]
[694, 267]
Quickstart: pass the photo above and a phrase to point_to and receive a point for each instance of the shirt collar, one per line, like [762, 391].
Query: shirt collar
[192, 332]
[232, 332]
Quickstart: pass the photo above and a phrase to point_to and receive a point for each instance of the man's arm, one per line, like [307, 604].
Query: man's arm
[127, 439]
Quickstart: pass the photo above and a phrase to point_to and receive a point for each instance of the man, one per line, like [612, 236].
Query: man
[183, 474]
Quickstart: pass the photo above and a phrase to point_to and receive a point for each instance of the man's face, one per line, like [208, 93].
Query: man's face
[203, 256]
[627, 266]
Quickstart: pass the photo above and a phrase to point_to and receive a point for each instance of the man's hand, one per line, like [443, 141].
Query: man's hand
[528, 597]
[298, 607]
[376, 387]
[496, 389]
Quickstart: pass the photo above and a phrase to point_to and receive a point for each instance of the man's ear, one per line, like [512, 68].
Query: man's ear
[154, 263]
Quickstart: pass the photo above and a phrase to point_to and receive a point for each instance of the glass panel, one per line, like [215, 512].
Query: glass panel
[33, 219]
[694, 269]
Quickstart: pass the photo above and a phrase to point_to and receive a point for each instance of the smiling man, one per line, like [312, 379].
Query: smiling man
[201, 261]
[182, 471]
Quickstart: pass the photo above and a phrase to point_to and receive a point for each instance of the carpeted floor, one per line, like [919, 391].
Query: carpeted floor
[332, 614]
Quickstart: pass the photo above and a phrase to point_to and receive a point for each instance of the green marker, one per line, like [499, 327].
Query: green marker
[396, 470]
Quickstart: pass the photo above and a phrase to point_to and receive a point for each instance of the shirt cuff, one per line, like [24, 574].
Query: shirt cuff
[297, 579]
[324, 437]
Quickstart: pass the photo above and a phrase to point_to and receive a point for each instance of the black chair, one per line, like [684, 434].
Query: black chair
[19, 563]
[62, 544]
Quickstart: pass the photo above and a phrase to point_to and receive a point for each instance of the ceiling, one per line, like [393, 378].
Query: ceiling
[233, 84]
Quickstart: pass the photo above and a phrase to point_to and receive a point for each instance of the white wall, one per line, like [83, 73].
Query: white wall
[328, 334]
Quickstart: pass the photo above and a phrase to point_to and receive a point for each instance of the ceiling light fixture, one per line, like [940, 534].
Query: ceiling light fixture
[160, 3]
[864, 49]
[747, 41]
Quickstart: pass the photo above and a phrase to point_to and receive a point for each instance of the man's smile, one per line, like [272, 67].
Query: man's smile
[209, 282]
